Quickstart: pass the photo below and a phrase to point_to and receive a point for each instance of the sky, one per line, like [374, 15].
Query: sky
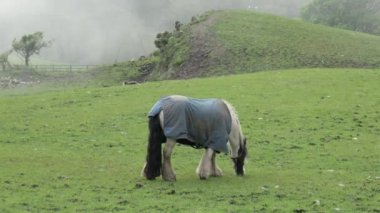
[108, 31]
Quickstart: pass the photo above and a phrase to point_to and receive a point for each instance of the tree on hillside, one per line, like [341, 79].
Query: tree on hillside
[363, 15]
[29, 45]
[4, 59]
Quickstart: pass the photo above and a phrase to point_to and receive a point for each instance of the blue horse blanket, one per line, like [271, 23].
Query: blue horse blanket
[204, 122]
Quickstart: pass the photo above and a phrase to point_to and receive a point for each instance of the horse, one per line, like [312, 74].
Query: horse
[211, 124]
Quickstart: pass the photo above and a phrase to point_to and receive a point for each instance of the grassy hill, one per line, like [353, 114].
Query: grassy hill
[313, 139]
[264, 42]
[228, 42]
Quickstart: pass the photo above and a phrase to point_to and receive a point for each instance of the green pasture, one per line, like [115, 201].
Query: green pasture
[313, 139]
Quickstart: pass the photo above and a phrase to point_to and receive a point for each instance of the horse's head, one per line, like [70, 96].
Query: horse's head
[239, 160]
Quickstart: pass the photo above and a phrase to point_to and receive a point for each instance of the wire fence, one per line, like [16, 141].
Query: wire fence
[62, 68]
[16, 75]
[53, 67]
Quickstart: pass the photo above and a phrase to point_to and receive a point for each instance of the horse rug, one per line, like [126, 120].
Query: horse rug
[204, 122]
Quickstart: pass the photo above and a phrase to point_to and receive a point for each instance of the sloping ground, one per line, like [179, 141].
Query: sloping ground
[257, 42]
[227, 42]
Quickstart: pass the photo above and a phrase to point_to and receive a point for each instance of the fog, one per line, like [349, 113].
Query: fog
[100, 31]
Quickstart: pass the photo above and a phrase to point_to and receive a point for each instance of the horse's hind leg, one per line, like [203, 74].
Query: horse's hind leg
[215, 170]
[204, 167]
[167, 170]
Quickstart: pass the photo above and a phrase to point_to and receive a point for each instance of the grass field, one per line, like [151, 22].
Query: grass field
[313, 139]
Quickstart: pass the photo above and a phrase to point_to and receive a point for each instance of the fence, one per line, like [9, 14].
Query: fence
[62, 68]
[58, 68]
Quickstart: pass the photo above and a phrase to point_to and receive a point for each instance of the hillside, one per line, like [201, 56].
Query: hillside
[228, 42]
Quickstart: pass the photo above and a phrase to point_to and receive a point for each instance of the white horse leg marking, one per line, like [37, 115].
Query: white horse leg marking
[143, 171]
[204, 167]
[167, 170]
[215, 170]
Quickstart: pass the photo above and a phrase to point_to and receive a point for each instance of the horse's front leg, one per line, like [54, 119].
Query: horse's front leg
[167, 170]
[204, 167]
[215, 170]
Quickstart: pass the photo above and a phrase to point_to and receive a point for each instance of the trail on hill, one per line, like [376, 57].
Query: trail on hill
[205, 50]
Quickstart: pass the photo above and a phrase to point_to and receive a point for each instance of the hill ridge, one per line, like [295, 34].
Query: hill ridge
[239, 41]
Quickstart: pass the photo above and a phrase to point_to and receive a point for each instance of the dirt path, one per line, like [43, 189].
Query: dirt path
[204, 49]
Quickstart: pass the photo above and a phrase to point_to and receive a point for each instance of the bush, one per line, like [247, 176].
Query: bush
[162, 39]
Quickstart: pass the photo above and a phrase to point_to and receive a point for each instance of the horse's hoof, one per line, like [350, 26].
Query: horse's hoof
[203, 176]
[170, 178]
[217, 173]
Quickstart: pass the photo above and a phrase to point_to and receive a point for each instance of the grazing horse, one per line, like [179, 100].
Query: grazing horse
[200, 123]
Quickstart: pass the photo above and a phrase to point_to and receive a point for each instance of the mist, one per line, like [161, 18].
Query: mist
[99, 31]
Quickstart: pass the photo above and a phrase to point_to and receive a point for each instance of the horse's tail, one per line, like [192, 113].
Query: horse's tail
[154, 155]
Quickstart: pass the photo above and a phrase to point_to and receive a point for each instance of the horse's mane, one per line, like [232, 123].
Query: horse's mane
[232, 110]
[234, 115]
